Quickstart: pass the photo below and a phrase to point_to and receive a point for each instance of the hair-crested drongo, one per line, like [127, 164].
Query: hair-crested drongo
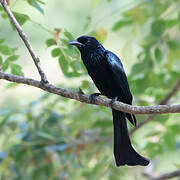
[107, 72]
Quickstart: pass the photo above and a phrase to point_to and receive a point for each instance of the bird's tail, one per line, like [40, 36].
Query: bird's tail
[123, 151]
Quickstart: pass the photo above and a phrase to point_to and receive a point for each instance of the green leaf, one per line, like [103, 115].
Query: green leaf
[1, 40]
[45, 135]
[122, 23]
[5, 66]
[1, 60]
[171, 22]
[16, 69]
[41, 2]
[55, 52]
[5, 50]
[14, 50]
[174, 44]
[36, 5]
[63, 64]
[64, 42]
[75, 65]
[85, 84]
[21, 18]
[12, 85]
[68, 35]
[50, 42]
[4, 15]
[12, 58]
[158, 27]
[158, 54]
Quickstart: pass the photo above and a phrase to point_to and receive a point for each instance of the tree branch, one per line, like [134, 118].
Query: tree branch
[25, 39]
[163, 176]
[163, 102]
[148, 172]
[79, 96]
[171, 93]
[167, 175]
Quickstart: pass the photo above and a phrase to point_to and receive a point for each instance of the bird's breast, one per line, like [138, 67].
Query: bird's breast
[101, 76]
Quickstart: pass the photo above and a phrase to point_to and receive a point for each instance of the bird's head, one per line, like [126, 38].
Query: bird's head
[86, 44]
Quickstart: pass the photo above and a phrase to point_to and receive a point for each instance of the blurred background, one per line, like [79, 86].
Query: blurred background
[45, 136]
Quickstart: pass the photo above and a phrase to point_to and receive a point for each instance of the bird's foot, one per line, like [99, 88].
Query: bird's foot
[92, 97]
[111, 104]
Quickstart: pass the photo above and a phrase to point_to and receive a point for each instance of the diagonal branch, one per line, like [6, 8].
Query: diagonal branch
[171, 93]
[167, 175]
[148, 172]
[25, 39]
[163, 176]
[163, 102]
[79, 96]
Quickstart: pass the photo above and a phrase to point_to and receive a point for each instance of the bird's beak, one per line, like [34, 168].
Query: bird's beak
[76, 43]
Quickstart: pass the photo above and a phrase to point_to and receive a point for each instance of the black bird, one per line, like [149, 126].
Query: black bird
[106, 70]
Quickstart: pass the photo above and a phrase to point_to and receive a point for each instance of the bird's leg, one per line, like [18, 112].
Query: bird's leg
[92, 96]
[113, 101]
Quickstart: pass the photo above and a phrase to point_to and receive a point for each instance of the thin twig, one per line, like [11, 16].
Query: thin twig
[158, 109]
[164, 176]
[42, 27]
[25, 39]
[163, 102]
[149, 172]
[171, 93]
[168, 175]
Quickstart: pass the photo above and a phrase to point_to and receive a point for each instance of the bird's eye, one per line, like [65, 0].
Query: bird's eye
[84, 41]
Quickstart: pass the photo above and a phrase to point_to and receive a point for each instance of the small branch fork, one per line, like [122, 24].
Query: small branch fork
[164, 101]
[25, 40]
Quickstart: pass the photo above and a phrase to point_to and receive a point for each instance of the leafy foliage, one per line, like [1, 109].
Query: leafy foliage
[8, 57]
[36, 4]
[21, 18]
[68, 57]
[56, 138]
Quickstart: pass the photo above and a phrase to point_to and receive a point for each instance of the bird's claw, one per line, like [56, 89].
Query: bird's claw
[111, 104]
[92, 97]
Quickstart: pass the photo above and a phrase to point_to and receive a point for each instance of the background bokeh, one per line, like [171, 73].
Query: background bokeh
[45, 136]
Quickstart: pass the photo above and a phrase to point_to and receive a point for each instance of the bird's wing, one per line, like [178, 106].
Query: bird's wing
[118, 74]
[117, 71]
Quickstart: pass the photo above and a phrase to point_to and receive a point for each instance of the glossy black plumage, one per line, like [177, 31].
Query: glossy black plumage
[106, 71]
